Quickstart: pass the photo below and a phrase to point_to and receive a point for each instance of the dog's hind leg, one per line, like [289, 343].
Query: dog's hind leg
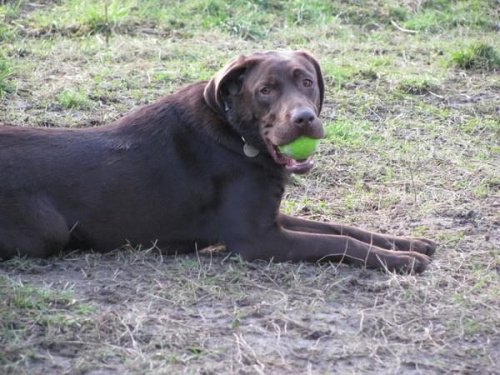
[31, 226]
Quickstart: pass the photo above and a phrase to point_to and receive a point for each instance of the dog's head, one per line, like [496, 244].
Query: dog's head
[271, 99]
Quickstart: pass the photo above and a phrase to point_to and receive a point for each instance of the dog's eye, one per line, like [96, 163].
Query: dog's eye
[265, 90]
[307, 83]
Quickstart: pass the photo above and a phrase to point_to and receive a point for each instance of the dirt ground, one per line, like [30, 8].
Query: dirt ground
[211, 315]
[413, 148]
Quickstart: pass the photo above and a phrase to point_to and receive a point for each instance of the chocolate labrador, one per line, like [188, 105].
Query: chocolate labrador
[199, 167]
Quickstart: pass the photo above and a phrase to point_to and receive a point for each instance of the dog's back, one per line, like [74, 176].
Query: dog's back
[156, 174]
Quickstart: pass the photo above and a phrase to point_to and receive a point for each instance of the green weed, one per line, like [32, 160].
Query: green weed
[82, 17]
[33, 298]
[352, 202]
[102, 16]
[349, 133]
[10, 10]
[73, 99]
[477, 56]
[8, 13]
[336, 74]
[477, 126]
[5, 72]
[5, 33]
[340, 130]
[418, 86]
[430, 21]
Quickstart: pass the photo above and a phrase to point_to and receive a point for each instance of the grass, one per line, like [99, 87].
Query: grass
[248, 19]
[477, 56]
[418, 86]
[73, 99]
[411, 115]
[28, 309]
[440, 15]
[5, 72]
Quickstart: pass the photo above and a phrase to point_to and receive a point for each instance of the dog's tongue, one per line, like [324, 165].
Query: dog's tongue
[298, 166]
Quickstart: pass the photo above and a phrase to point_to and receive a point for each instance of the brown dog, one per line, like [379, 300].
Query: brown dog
[199, 167]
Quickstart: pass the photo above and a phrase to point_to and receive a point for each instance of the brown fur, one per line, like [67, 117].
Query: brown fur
[174, 173]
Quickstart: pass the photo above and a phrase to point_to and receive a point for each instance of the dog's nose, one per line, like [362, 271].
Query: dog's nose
[303, 117]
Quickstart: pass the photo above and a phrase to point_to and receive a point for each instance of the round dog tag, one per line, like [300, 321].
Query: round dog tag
[250, 151]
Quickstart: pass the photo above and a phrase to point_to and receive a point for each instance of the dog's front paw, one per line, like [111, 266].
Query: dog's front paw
[419, 245]
[408, 262]
[423, 246]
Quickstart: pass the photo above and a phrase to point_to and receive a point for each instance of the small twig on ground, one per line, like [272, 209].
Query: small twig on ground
[436, 95]
[393, 23]
[137, 348]
[242, 344]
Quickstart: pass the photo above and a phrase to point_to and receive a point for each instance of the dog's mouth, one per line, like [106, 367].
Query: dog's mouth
[292, 165]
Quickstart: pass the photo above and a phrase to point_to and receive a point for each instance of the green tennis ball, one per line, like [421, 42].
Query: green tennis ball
[300, 149]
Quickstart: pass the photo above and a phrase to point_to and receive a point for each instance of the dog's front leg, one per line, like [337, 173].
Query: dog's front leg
[282, 245]
[419, 245]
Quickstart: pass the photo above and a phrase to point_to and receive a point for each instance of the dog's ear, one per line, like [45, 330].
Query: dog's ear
[319, 77]
[228, 81]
